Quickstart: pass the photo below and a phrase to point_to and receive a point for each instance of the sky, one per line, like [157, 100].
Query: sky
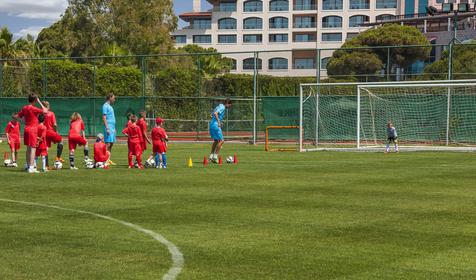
[24, 17]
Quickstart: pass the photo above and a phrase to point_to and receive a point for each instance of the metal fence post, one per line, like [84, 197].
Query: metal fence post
[450, 61]
[388, 64]
[199, 89]
[144, 79]
[1, 78]
[318, 66]
[255, 92]
[45, 79]
[94, 77]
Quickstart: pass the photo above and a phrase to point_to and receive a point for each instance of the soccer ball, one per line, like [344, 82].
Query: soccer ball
[99, 165]
[58, 165]
[89, 164]
[150, 163]
[7, 162]
[229, 159]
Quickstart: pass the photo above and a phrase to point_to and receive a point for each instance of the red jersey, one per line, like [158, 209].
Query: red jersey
[134, 133]
[50, 120]
[42, 136]
[13, 130]
[30, 114]
[158, 133]
[100, 151]
[75, 128]
[143, 126]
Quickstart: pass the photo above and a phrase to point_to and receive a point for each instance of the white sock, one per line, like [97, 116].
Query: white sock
[43, 160]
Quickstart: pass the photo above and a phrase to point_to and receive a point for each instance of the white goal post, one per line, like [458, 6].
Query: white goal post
[427, 115]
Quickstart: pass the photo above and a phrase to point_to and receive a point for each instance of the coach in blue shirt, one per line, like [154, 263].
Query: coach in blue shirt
[109, 120]
[216, 134]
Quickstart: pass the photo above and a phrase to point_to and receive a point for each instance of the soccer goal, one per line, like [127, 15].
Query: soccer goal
[281, 139]
[427, 115]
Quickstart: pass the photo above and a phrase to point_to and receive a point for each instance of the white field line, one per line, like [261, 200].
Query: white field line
[177, 257]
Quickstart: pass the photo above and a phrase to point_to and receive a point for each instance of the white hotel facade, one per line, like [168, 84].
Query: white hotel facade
[292, 29]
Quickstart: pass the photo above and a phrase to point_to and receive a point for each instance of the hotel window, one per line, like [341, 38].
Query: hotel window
[356, 21]
[227, 23]
[278, 38]
[249, 63]
[254, 38]
[180, 39]
[202, 39]
[359, 4]
[253, 23]
[386, 4]
[331, 37]
[277, 63]
[278, 22]
[253, 6]
[331, 22]
[227, 39]
[304, 63]
[278, 5]
[332, 5]
[227, 6]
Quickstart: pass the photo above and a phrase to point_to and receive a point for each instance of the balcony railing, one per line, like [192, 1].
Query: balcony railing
[304, 7]
[231, 8]
[304, 25]
[198, 26]
[278, 25]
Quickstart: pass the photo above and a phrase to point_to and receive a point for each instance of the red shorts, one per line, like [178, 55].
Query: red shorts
[41, 152]
[103, 158]
[76, 141]
[14, 146]
[135, 149]
[30, 137]
[52, 137]
[159, 147]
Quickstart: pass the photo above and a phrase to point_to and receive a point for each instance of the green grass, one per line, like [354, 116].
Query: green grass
[320, 215]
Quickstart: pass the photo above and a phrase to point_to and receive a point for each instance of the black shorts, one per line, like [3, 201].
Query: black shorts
[392, 139]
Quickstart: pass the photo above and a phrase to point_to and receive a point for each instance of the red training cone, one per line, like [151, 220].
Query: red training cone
[235, 159]
[205, 161]
[220, 161]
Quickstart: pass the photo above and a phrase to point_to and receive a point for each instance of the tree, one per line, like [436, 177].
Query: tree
[211, 63]
[90, 27]
[348, 61]
[7, 47]
[464, 63]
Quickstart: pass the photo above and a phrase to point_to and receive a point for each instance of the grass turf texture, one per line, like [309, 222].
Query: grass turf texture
[273, 216]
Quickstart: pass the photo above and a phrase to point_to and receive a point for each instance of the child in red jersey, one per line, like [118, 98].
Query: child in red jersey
[77, 137]
[101, 154]
[42, 149]
[143, 126]
[13, 138]
[30, 138]
[52, 135]
[134, 135]
[159, 143]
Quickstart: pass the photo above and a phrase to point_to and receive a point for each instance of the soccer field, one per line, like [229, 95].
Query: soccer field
[322, 215]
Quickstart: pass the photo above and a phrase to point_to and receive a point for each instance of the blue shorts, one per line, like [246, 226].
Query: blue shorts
[215, 133]
[111, 137]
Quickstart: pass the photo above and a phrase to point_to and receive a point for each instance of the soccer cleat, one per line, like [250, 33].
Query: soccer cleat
[130, 167]
[73, 168]
[59, 159]
[110, 162]
[44, 170]
[32, 171]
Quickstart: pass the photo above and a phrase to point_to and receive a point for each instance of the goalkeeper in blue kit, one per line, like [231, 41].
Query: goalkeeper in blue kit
[391, 137]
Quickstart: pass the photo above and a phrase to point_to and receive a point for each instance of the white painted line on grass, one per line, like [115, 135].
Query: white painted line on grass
[177, 257]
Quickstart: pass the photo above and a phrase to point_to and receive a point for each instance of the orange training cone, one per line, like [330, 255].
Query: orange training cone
[220, 161]
[235, 159]
[205, 161]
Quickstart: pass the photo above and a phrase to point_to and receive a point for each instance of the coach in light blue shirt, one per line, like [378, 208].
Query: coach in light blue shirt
[109, 120]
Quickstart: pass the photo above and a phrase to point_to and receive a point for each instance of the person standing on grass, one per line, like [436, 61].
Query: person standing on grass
[109, 120]
[30, 113]
[216, 134]
[143, 126]
[134, 133]
[77, 137]
[13, 138]
[52, 135]
[391, 137]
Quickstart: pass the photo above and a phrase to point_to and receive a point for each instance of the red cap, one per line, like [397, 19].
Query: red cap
[159, 121]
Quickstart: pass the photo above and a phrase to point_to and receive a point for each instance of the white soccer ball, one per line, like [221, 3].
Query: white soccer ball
[89, 164]
[150, 163]
[58, 165]
[99, 165]
[7, 162]
[229, 159]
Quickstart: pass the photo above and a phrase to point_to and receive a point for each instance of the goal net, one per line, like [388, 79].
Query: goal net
[427, 115]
